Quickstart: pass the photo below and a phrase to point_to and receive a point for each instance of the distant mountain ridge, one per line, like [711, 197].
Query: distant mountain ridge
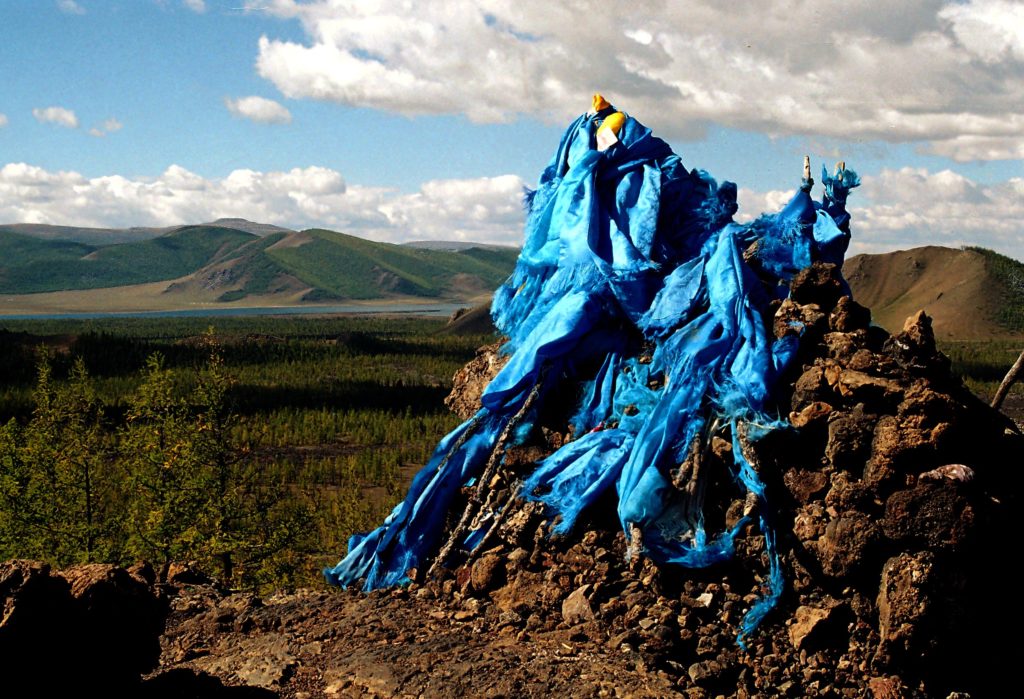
[110, 236]
[971, 293]
[234, 259]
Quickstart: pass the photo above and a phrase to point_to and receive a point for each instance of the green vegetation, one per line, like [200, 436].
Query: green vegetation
[29, 265]
[256, 456]
[982, 365]
[332, 265]
[1009, 276]
[353, 268]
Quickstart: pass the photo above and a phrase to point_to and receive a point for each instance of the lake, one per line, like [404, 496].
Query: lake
[435, 310]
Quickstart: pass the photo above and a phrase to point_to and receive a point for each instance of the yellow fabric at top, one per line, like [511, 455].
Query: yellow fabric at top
[599, 102]
[613, 122]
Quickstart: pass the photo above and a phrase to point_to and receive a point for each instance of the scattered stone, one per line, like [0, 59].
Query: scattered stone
[488, 573]
[818, 626]
[576, 607]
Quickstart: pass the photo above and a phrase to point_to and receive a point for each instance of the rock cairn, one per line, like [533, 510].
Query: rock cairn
[895, 488]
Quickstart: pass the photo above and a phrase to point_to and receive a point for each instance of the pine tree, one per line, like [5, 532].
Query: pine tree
[169, 488]
[55, 484]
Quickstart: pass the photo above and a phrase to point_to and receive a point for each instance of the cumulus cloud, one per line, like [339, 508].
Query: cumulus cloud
[3, 120]
[907, 207]
[894, 209]
[993, 30]
[196, 5]
[109, 126]
[259, 109]
[941, 72]
[70, 7]
[56, 115]
[483, 210]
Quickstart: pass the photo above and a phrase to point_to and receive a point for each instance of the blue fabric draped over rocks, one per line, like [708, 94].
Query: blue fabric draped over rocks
[621, 244]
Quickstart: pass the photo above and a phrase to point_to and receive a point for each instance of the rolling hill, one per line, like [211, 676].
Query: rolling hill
[113, 236]
[32, 265]
[329, 266]
[971, 293]
[242, 260]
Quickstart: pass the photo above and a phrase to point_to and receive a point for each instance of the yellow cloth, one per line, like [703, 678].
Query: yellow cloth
[613, 123]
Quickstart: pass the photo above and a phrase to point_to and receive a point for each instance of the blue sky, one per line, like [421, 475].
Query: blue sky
[411, 121]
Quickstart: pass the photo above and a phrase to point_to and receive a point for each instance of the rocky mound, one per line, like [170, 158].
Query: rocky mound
[87, 626]
[893, 492]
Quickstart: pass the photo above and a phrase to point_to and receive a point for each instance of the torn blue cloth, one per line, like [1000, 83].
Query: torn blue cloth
[636, 291]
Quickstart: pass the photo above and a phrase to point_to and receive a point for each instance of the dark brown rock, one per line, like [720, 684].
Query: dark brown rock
[576, 608]
[848, 544]
[820, 625]
[804, 485]
[122, 615]
[914, 348]
[849, 439]
[488, 573]
[802, 320]
[810, 413]
[820, 284]
[905, 601]
[899, 446]
[89, 626]
[811, 387]
[935, 514]
[848, 315]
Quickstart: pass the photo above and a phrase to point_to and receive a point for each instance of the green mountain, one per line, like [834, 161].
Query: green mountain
[334, 266]
[32, 265]
[226, 263]
[112, 236]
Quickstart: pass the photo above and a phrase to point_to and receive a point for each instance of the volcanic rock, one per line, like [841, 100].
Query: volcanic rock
[90, 626]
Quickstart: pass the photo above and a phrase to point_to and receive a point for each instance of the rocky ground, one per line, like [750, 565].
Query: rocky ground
[894, 494]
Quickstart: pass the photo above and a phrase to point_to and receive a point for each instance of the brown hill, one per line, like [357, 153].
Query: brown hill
[471, 321]
[957, 288]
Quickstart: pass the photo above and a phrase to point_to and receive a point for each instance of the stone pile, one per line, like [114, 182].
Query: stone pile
[894, 490]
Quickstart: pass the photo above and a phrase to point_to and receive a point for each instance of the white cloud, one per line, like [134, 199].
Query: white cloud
[943, 73]
[70, 7]
[260, 109]
[483, 210]
[56, 115]
[904, 208]
[993, 30]
[109, 126]
[196, 5]
[894, 209]
[487, 209]
[3, 120]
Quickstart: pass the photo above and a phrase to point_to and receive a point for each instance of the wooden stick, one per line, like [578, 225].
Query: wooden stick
[1011, 376]
[474, 504]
